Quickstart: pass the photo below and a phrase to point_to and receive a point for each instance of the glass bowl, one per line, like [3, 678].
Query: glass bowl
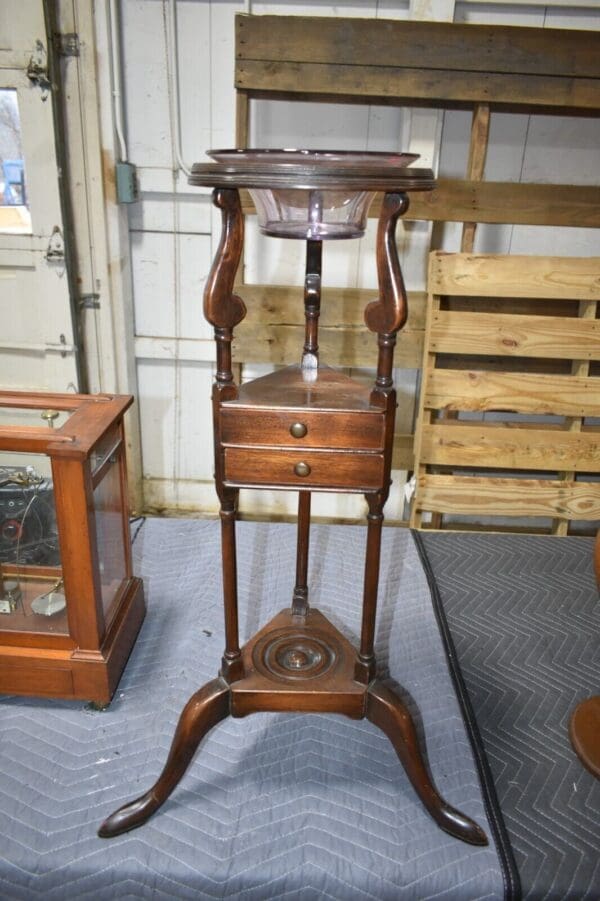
[311, 212]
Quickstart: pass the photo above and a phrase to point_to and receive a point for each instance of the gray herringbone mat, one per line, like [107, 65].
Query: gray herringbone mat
[524, 616]
[289, 806]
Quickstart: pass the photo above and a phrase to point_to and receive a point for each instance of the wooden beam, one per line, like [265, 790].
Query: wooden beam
[414, 86]
[535, 277]
[478, 145]
[509, 202]
[522, 336]
[481, 391]
[340, 307]
[340, 346]
[509, 497]
[431, 45]
[509, 447]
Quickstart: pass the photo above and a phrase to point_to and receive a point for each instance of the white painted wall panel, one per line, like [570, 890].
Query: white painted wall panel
[145, 82]
[161, 212]
[156, 386]
[169, 272]
[175, 399]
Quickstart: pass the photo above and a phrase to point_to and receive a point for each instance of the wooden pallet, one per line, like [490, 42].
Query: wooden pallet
[510, 335]
[483, 68]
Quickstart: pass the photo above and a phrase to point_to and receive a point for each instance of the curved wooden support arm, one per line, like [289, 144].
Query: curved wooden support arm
[388, 314]
[223, 308]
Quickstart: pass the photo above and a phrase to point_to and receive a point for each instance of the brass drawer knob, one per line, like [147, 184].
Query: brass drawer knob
[298, 430]
[302, 469]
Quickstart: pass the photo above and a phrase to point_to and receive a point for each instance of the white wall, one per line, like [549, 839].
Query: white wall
[174, 231]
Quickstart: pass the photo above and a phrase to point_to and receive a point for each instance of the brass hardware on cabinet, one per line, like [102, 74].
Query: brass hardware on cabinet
[298, 430]
[50, 416]
[302, 469]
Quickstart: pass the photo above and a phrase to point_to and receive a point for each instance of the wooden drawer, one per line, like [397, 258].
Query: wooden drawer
[328, 469]
[335, 429]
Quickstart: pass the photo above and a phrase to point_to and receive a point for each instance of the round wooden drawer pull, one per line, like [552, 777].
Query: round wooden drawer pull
[298, 430]
[302, 469]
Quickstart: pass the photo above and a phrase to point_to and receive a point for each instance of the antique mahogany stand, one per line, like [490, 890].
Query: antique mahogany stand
[306, 428]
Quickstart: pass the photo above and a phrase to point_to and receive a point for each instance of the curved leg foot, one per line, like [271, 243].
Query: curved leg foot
[386, 710]
[205, 709]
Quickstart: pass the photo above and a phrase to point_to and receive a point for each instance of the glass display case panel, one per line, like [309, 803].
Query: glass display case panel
[33, 417]
[108, 446]
[32, 597]
[110, 534]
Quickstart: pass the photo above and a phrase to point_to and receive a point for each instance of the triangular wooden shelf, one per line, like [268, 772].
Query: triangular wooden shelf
[290, 389]
[322, 681]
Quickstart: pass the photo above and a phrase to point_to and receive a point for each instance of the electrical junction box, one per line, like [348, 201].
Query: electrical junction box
[127, 186]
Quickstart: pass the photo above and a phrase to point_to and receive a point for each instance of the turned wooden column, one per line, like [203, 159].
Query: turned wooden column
[224, 310]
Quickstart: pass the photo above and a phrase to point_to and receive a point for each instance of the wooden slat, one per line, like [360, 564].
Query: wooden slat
[587, 309]
[339, 346]
[482, 496]
[403, 456]
[536, 277]
[478, 145]
[522, 336]
[413, 86]
[477, 390]
[508, 202]
[273, 331]
[435, 45]
[242, 120]
[340, 307]
[498, 202]
[510, 447]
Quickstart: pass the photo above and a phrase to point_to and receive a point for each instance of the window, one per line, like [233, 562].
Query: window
[14, 212]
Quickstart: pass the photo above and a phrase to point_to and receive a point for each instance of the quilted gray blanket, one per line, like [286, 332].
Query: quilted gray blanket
[288, 806]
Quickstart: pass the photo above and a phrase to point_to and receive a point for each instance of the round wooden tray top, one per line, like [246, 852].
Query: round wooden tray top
[308, 170]
[584, 732]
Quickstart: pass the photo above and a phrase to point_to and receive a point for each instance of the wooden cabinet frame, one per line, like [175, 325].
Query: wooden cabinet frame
[85, 659]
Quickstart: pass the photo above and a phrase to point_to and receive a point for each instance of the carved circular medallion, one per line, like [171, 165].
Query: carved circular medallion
[294, 655]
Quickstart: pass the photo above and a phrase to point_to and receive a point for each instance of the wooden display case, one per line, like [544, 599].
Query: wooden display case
[70, 608]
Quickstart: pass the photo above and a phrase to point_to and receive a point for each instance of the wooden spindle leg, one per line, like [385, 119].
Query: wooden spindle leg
[300, 599]
[365, 670]
[232, 666]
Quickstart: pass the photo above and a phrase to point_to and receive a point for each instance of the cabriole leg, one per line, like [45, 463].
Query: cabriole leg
[387, 711]
[300, 599]
[205, 709]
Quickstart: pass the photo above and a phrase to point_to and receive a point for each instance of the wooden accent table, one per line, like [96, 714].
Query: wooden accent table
[305, 428]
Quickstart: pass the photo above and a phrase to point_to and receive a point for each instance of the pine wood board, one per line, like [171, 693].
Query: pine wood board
[514, 203]
[482, 496]
[535, 277]
[509, 447]
[340, 307]
[343, 346]
[479, 390]
[513, 335]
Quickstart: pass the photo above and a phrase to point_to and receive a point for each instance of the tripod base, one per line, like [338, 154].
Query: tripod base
[298, 664]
